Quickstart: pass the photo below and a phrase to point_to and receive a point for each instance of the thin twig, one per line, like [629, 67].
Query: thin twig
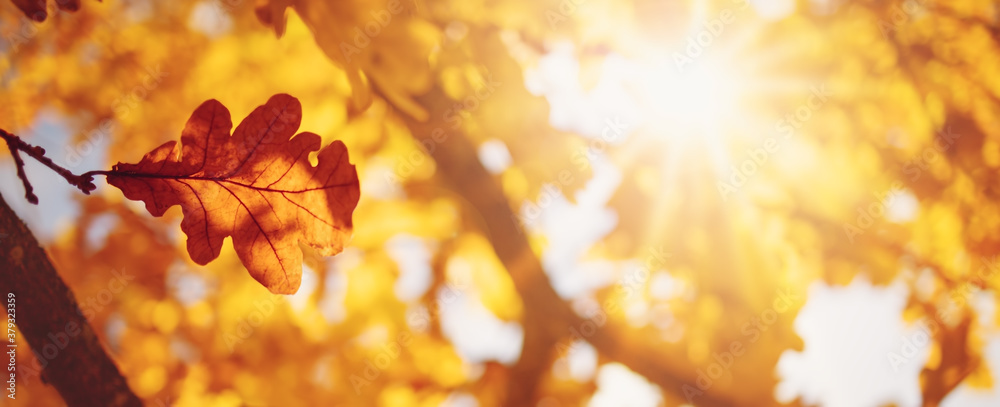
[29, 193]
[85, 182]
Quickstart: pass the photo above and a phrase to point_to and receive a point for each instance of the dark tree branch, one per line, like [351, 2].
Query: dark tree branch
[45, 307]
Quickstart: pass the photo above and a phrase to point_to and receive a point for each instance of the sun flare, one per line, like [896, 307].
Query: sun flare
[692, 102]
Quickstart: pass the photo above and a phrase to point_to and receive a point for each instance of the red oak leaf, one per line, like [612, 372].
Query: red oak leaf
[256, 186]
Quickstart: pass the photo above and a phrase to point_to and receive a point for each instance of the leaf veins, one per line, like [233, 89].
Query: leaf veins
[256, 186]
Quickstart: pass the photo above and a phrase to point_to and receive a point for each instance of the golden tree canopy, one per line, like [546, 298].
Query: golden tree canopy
[572, 202]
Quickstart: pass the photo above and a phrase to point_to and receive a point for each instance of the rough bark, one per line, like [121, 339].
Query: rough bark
[81, 371]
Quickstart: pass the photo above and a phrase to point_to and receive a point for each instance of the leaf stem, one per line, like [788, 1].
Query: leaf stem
[91, 174]
[84, 183]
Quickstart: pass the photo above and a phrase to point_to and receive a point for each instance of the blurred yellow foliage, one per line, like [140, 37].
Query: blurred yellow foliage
[479, 130]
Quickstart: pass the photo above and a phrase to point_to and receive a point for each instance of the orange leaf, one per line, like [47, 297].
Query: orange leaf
[256, 186]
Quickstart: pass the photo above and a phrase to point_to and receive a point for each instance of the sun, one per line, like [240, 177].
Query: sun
[693, 102]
